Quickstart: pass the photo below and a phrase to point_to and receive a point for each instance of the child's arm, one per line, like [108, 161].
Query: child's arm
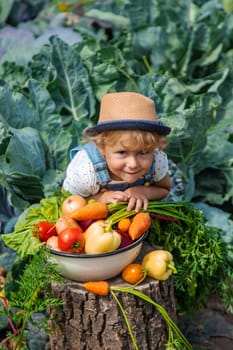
[137, 196]
[110, 196]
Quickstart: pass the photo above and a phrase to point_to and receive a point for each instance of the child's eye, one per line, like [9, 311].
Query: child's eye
[122, 153]
[144, 153]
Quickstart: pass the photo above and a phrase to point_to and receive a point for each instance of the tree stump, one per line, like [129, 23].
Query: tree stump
[90, 322]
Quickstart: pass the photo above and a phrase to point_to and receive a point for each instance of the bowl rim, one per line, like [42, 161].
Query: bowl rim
[114, 252]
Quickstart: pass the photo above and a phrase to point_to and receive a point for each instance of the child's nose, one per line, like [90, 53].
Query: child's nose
[132, 162]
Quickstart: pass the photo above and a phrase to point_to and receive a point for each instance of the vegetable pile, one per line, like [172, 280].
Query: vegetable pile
[81, 227]
[185, 66]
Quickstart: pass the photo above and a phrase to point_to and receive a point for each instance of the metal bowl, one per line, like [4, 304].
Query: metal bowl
[95, 267]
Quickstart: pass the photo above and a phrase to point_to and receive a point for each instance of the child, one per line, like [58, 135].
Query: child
[123, 160]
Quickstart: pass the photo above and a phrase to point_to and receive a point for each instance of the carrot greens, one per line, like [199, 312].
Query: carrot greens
[201, 257]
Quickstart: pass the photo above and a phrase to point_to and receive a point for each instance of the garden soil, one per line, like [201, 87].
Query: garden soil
[211, 328]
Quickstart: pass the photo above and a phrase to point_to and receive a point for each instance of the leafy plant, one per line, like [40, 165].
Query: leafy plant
[31, 294]
[21, 239]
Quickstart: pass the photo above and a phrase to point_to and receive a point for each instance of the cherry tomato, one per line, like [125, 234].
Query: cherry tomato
[132, 273]
[71, 239]
[43, 230]
[124, 224]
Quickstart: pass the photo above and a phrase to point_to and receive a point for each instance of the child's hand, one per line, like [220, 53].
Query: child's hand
[137, 198]
[137, 203]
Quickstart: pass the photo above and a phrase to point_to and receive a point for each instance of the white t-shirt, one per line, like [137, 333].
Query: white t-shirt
[81, 177]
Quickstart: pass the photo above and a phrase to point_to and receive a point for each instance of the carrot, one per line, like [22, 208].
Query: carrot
[91, 211]
[97, 287]
[123, 224]
[140, 224]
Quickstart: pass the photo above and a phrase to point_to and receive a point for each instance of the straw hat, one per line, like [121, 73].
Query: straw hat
[127, 111]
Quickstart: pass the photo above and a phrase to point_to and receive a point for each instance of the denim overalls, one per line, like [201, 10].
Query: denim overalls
[102, 173]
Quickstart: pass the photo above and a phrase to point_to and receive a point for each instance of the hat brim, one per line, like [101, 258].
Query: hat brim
[144, 125]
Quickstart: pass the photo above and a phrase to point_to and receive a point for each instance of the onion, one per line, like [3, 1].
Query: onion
[72, 204]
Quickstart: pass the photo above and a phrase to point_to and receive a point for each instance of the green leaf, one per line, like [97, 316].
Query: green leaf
[57, 141]
[16, 109]
[30, 246]
[25, 152]
[73, 90]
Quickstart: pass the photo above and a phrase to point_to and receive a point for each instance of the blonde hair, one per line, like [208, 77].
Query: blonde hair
[146, 139]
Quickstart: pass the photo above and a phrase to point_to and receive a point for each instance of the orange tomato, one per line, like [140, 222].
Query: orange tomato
[132, 273]
[123, 224]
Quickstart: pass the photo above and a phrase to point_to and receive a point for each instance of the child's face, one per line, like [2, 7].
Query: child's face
[126, 160]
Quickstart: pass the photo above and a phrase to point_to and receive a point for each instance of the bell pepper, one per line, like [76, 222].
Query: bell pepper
[101, 238]
[159, 264]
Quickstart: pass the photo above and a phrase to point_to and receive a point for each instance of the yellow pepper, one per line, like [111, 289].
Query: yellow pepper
[101, 238]
[159, 264]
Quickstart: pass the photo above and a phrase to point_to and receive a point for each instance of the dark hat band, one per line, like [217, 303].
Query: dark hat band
[144, 125]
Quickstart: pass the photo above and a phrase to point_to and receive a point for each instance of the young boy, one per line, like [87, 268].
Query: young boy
[123, 159]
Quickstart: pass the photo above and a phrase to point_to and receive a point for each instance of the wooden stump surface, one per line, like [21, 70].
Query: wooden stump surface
[89, 322]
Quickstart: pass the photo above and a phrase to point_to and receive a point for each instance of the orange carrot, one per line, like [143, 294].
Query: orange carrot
[97, 287]
[140, 224]
[91, 211]
[123, 224]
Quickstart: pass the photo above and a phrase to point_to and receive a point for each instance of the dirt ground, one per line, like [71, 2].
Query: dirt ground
[211, 328]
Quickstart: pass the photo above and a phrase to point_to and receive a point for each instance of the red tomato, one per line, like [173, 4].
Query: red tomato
[132, 273]
[71, 239]
[43, 230]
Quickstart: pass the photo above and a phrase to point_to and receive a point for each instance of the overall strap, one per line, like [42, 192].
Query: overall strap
[74, 150]
[97, 160]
